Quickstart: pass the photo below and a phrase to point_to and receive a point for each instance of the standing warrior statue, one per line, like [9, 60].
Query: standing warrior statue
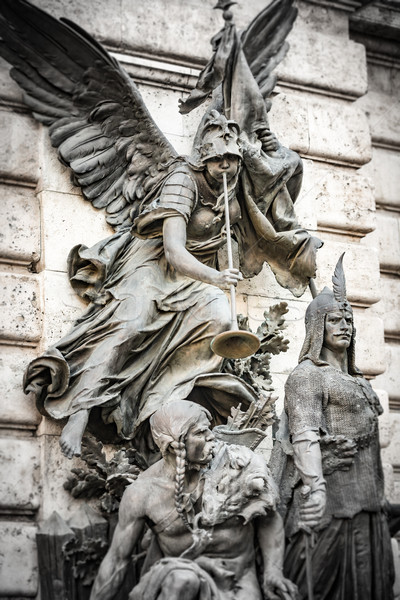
[337, 490]
[153, 287]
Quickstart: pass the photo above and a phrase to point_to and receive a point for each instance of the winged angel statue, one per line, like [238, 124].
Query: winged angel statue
[153, 288]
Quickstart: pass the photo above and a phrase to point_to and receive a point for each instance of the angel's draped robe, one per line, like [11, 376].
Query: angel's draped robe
[145, 337]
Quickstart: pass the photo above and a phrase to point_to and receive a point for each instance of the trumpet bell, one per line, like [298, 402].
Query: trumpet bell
[235, 344]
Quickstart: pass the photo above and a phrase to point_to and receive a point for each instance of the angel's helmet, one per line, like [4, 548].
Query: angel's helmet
[217, 136]
[327, 301]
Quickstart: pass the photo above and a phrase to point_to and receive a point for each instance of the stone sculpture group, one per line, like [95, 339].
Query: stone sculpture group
[139, 364]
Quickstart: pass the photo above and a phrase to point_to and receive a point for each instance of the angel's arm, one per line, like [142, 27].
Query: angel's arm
[174, 235]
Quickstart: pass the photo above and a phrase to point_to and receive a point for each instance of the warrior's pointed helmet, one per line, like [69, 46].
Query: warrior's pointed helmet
[217, 136]
[327, 301]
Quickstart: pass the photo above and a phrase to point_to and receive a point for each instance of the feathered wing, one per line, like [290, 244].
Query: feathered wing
[96, 116]
[264, 43]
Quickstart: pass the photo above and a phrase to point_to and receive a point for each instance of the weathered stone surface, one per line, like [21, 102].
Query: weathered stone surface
[388, 234]
[102, 18]
[361, 266]
[58, 469]
[314, 50]
[68, 221]
[180, 30]
[19, 147]
[62, 307]
[382, 170]
[333, 131]
[340, 199]
[383, 115]
[164, 108]
[20, 217]
[370, 344]
[20, 481]
[18, 560]
[389, 380]
[21, 317]
[389, 307]
[16, 408]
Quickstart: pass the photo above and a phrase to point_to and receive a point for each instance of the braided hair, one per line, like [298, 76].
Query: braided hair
[180, 456]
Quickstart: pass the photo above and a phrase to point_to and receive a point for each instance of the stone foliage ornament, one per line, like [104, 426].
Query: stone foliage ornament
[154, 302]
[332, 491]
[207, 504]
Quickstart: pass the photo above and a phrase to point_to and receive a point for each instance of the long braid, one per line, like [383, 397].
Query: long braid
[180, 455]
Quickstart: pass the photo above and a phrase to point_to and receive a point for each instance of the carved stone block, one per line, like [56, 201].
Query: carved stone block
[383, 115]
[19, 147]
[16, 408]
[18, 565]
[63, 229]
[341, 200]
[383, 165]
[389, 379]
[370, 348]
[314, 50]
[362, 271]
[21, 317]
[20, 217]
[389, 307]
[388, 234]
[20, 481]
[321, 128]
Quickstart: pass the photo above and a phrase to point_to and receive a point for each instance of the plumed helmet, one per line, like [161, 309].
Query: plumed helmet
[327, 301]
[218, 136]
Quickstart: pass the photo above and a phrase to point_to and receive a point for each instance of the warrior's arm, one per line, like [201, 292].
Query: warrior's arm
[114, 566]
[271, 538]
[174, 236]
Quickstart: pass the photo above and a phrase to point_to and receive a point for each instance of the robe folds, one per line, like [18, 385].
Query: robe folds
[144, 339]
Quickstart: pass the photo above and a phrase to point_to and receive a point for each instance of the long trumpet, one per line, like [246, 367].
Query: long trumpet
[234, 343]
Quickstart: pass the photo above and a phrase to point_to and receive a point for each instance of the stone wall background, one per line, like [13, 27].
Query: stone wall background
[336, 104]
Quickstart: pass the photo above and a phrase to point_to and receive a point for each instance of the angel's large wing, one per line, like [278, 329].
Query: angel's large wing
[98, 120]
[264, 43]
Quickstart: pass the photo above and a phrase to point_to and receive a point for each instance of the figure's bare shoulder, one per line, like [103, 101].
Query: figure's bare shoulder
[137, 498]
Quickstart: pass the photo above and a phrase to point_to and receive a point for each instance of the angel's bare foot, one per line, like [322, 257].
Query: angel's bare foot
[71, 437]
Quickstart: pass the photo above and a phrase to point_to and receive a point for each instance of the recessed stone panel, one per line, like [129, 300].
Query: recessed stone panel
[20, 481]
[19, 147]
[20, 218]
[21, 316]
[389, 379]
[18, 560]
